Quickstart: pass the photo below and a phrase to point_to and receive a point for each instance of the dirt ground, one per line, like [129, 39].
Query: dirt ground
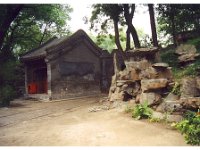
[69, 123]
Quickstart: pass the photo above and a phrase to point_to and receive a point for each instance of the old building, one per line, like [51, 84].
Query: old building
[67, 67]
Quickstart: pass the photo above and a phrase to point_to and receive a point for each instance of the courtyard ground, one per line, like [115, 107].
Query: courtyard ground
[69, 123]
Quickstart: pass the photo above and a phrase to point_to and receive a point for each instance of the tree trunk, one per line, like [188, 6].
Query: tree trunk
[153, 25]
[129, 17]
[128, 40]
[117, 41]
[173, 26]
[119, 59]
[135, 36]
[12, 13]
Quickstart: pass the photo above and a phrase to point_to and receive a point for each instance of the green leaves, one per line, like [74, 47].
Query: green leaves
[178, 18]
[35, 24]
[190, 128]
[141, 111]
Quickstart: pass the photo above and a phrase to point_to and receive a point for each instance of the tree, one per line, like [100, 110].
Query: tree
[107, 41]
[153, 25]
[119, 14]
[178, 18]
[33, 25]
[26, 27]
[129, 10]
[8, 15]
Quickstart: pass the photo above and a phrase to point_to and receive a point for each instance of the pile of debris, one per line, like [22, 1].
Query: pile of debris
[145, 80]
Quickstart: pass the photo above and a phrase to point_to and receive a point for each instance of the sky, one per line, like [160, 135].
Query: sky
[80, 10]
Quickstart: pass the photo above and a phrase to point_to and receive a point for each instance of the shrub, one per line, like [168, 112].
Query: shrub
[141, 111]
[195, 42]
[190, 128]
[7, 93]
[170, 57]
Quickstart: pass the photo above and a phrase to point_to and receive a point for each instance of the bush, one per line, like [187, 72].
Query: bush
[195, 42]
[169, 56]
[190, 128]
[7, 93]
[142, 111]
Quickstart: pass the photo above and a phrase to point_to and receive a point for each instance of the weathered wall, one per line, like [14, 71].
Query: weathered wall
[65, 85]
[107, 73]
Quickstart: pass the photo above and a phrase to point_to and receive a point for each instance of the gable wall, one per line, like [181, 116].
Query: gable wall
[64, 86]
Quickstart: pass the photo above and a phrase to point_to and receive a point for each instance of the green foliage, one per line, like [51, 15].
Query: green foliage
[190, 128]
[176, 89]
[11, 78]
[35, 24]
[7, 93]
[177, 17]
[191, 70]
[195, 42]
[141, 111]
[169, 57]
[107, 41]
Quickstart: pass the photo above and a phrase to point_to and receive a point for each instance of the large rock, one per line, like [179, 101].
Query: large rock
[134, 75]
[160, 65]
[188, 58]
[132, 89]
[152, 84]
[167, 117]
[166, 73]
[137, 65]
[149, 73]
[187, 54]
[189, 87]
[140, 53]
[198, 83]
[117, 95]
[170, 104]
[186, 49]
[191, 103]
[124, 75]
[151, 98]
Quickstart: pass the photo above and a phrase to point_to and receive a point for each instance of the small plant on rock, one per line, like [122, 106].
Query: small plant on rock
[141, 111]
[176, 89]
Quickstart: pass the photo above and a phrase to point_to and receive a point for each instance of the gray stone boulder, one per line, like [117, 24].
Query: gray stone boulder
[188, 58]
[167, 117]
[192, 103]
[189, 87]
[187, 54]
[151, 98]
[137, 65]
[152, 84]
[160, 65]
[170, 104]
[134, 74]
[186, 49]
